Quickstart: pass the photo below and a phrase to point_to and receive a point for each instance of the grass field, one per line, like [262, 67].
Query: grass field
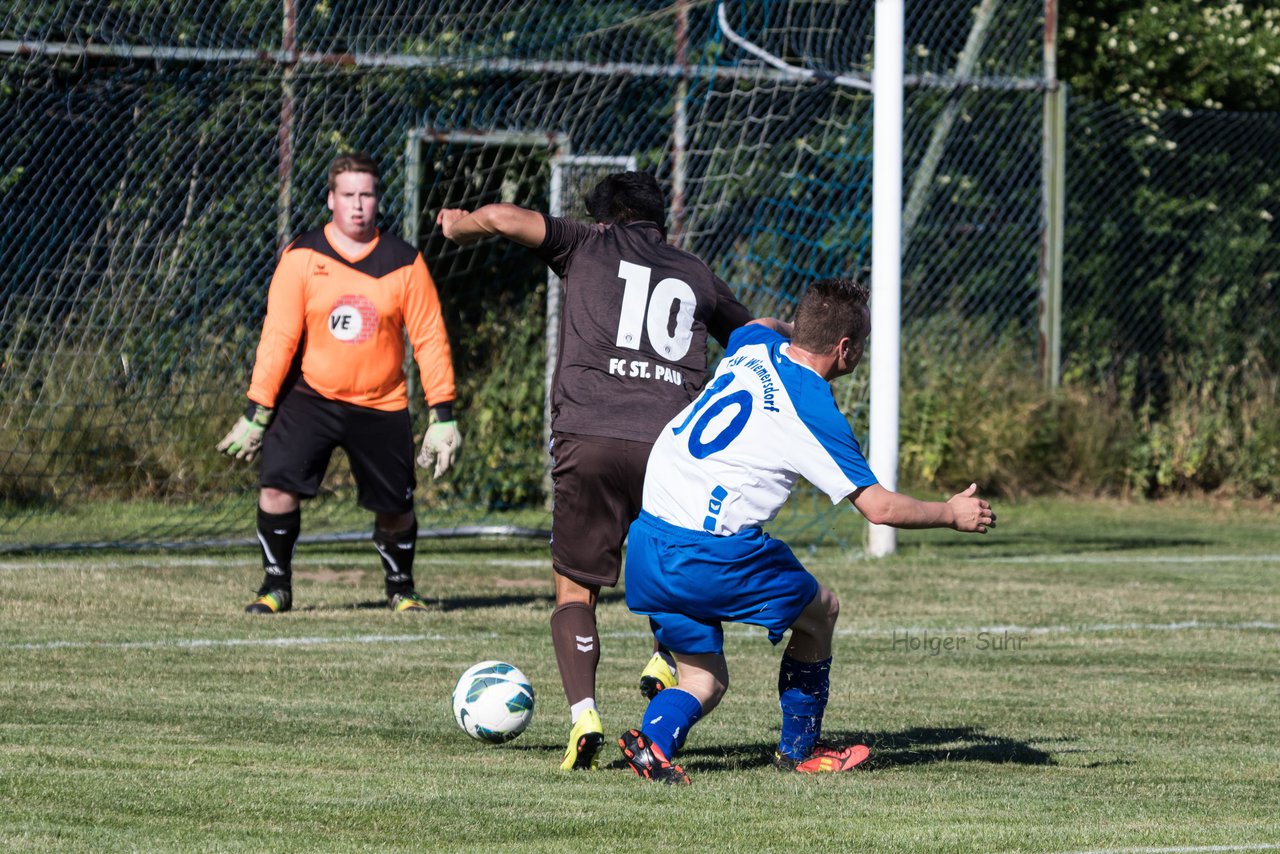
[1090, 677]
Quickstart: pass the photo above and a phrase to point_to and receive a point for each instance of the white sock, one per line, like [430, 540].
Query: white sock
[581, 706]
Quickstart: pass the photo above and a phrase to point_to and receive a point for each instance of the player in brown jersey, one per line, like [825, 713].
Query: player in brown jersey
[329, 374]
[632, 353]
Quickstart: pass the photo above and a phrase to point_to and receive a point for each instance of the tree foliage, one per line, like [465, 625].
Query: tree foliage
[1173, 54]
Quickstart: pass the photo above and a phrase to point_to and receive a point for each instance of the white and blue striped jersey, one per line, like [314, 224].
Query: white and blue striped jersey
[730, 459]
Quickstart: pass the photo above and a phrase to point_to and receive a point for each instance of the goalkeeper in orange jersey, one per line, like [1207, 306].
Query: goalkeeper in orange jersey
[329, 374]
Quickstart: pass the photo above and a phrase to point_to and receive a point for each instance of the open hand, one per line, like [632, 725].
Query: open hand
[245, 438]
[440, 446]
[972, 514]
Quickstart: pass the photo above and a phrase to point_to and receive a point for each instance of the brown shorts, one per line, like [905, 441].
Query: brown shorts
[598, 486]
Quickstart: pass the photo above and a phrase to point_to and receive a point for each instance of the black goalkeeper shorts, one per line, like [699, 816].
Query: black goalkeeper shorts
[379, 447]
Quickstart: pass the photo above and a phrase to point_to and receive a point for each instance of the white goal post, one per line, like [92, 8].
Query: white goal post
[886, 259]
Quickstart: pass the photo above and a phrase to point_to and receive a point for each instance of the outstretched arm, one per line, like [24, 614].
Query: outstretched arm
[779, 326]
[964, 511]
[513, 222]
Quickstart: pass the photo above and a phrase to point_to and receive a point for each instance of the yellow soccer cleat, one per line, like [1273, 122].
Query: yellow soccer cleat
[271, 602]
[402, 602]
[657, 675]
[585, 740]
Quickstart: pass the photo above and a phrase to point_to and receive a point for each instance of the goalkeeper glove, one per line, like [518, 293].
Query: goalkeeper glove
[245, 438]
[443, 442]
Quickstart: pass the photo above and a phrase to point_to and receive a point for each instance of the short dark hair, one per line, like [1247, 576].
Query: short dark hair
[627, 197]
[356, 161]
[829, 310]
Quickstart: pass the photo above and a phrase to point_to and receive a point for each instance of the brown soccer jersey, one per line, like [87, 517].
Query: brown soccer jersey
[349, 316]
[633, 332]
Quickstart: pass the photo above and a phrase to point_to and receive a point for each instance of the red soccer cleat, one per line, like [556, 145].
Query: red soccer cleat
[824, 760]
[646, 759]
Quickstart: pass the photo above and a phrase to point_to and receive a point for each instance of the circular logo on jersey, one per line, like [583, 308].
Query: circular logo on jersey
[353, 319]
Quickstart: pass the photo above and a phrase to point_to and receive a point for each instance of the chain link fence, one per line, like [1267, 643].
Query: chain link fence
[160, 154]
[1174, 249]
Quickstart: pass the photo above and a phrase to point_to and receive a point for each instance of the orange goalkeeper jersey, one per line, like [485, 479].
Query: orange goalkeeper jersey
[349, 316]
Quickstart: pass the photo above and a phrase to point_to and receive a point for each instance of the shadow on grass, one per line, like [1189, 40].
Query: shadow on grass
[463, 603]
[917, 746]
[921, 745]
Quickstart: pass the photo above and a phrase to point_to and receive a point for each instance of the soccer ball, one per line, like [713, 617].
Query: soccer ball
[493, 701]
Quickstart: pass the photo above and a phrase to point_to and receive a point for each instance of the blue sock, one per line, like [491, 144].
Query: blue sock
[669, 717]
[802, 695]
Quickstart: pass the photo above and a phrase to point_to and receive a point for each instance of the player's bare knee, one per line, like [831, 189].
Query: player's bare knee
[278, 501]
[720, 688]
[569, 590]
[706, 677]
[712, 690]
[832, 605]
[820, 615]
[394, 523]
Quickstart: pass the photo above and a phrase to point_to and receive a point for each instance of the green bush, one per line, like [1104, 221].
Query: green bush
[970, 411]
[1219, 432]
[978, 413]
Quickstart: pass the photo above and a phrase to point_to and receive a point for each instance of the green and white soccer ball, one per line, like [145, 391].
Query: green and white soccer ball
[493, 701]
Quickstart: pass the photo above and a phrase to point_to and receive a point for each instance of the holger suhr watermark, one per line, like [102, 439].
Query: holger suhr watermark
[935, 643]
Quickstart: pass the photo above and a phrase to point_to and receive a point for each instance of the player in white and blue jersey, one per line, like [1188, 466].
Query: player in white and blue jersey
[697, 555]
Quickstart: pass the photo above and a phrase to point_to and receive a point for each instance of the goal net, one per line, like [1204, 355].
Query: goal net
[159, 157]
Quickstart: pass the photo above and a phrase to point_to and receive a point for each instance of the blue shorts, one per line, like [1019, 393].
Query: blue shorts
[687, 582]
